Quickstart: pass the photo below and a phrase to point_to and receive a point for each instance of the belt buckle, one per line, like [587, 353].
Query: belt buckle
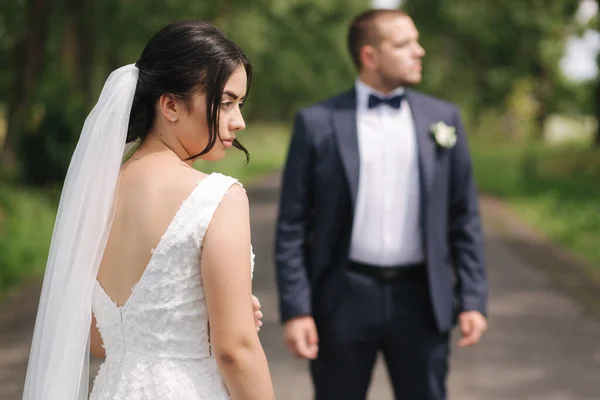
[388, 273]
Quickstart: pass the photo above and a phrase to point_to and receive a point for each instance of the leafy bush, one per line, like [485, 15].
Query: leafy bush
[26, 223]
[554, 188]
[47, 149]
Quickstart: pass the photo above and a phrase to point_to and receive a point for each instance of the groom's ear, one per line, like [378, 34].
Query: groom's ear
[368, 57]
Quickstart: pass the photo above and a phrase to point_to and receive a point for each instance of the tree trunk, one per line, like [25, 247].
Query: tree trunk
[29, 53]
[79, 48]
[597, 109]
[544, 89]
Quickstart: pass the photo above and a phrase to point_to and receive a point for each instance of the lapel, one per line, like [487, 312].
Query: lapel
[425, 143]
[346, 133]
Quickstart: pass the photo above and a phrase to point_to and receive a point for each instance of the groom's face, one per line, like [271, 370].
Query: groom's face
[399, 53]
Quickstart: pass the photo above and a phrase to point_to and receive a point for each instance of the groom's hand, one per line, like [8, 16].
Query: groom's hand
[301, 337]
[472, 326]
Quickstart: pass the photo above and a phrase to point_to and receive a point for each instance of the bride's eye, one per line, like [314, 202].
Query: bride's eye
[226, 104]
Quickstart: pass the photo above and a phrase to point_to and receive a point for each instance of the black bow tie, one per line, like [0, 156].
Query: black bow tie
[393, 102]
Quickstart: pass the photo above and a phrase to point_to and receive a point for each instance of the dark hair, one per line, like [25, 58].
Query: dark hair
[181, 59]
[364, 31]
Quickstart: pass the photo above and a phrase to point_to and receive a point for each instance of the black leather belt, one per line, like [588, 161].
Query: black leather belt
[404, 272]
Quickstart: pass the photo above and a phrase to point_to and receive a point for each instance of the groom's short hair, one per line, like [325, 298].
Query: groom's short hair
[364, 31]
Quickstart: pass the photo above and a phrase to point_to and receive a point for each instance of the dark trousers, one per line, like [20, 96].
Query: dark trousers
[393, 316]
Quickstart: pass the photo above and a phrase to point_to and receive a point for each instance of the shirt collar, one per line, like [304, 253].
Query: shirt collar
[363, 91]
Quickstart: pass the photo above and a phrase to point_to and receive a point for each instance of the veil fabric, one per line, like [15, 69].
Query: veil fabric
[59, 358]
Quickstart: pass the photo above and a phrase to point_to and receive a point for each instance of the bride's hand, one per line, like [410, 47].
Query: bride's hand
[257, 313]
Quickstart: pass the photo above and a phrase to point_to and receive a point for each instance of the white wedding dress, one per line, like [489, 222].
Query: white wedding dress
[157, 344]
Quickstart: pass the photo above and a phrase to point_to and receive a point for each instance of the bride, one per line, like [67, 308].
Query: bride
[150, 264]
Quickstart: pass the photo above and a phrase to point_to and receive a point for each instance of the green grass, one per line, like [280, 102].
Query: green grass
[26, 223]
[267, 145]
[553, 188]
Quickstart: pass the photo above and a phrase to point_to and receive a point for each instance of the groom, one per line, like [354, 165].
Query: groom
[379, 245]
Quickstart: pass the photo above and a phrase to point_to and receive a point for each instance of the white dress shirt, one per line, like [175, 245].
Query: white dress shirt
[387, 229]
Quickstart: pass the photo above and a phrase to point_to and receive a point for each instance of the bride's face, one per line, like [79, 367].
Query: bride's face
[192, 128]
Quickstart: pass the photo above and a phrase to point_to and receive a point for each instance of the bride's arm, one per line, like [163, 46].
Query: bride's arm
[225, 267]
[96, 340]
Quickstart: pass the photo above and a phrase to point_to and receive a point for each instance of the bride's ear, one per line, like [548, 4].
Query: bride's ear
[170, 107]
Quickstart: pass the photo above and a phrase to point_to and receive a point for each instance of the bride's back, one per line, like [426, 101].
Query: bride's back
[150, 192]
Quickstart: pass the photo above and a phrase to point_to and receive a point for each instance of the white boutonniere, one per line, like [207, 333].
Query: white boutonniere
[444, 135]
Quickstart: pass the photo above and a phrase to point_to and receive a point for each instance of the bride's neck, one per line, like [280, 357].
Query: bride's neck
[158, 143]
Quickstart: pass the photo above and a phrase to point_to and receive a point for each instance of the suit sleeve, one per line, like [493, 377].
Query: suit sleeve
[465, 233]
[293, 226]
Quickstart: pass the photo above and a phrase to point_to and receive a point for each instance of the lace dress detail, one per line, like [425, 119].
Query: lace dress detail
[157, 343]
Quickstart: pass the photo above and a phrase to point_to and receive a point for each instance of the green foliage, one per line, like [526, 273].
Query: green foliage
[479, 50]
[552, 187]
[12, 27]
[51, 145]
[298, 50]
[26, 223]
[299, 53]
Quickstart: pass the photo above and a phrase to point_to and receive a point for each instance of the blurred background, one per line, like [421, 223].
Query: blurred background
[524, 73]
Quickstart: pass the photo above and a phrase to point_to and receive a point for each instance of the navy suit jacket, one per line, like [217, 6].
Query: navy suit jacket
[318, 196]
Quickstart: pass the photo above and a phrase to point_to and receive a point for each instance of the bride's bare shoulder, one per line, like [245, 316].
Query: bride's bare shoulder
[184, 174]
[166, 177]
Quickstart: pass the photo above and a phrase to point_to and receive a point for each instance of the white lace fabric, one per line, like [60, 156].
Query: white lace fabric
[157, 343]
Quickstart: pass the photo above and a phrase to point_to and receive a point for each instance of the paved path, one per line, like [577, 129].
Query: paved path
[541, 344]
